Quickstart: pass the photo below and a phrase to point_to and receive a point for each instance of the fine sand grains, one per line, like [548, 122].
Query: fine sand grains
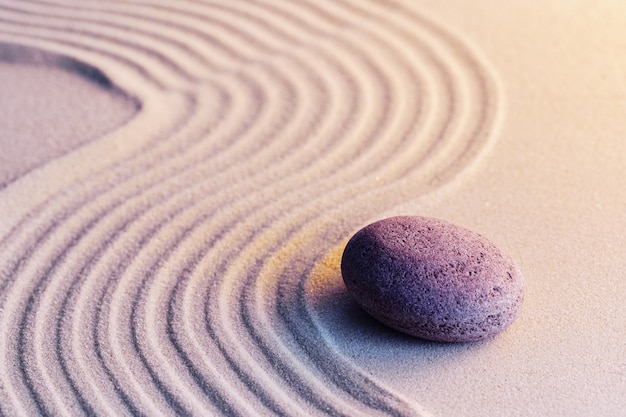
[161, 269]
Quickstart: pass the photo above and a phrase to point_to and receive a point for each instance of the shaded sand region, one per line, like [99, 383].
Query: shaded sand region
[52, 104]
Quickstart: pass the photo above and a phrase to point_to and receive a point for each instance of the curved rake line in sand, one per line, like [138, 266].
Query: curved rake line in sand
[148, 276]
[19, 266]
[21, 29]
[10, 275]
[51, 28]
[147, 150]
[247, 39]
[88, 183]
[120, 26]
[46, 277]
[87, 46]
[302, 322]
[290, 309]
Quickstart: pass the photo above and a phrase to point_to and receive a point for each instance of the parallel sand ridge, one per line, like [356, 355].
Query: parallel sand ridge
[177, 274]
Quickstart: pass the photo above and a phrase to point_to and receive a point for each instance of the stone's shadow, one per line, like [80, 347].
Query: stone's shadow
[355, 332]
[353, 319]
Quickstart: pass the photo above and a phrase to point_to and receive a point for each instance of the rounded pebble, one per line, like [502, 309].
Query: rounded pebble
[432, 279]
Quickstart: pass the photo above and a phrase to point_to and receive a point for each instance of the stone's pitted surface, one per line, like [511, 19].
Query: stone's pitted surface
[432, 279]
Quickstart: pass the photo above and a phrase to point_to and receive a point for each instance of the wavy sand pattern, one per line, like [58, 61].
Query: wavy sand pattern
[170, 276]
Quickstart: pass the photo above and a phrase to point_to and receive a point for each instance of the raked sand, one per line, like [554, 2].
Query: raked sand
[179, 179]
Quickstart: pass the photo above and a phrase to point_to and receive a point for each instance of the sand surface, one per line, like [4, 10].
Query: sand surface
[49, 109]
[171, 245]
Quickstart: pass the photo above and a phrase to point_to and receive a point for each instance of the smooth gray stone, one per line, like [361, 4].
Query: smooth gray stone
[432, 279]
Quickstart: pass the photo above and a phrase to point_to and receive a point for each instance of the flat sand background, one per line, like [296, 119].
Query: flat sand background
[178, 180]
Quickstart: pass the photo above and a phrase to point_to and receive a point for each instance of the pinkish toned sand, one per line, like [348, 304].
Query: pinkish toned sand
[64, 110]
[186, 260]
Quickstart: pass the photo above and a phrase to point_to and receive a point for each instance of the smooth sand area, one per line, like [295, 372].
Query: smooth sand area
[49, 110]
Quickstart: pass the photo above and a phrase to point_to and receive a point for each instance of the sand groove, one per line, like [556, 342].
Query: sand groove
[171, 279]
